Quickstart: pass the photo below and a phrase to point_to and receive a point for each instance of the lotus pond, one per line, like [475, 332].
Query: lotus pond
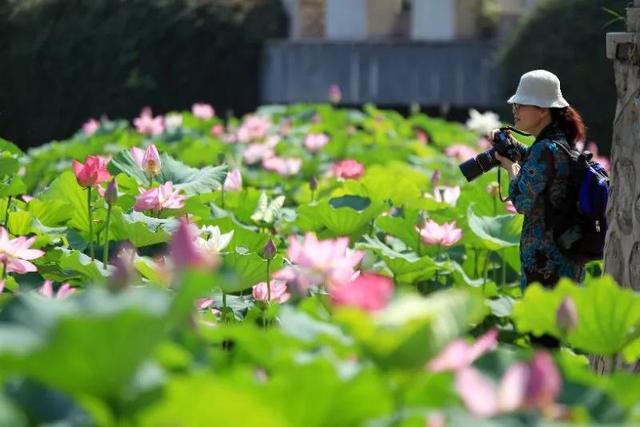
[303, 265]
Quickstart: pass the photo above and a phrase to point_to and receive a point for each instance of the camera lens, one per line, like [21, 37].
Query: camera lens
[470, 169]
[487, 160]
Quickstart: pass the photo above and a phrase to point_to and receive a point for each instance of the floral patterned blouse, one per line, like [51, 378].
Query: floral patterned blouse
[543, 179]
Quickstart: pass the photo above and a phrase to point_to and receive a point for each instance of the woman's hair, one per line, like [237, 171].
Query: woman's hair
[570, 121]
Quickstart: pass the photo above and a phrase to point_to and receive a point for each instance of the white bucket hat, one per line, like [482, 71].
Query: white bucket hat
[540, 88]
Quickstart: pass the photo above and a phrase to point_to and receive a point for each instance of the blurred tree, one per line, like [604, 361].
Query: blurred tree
[567, 37]
[66, 60]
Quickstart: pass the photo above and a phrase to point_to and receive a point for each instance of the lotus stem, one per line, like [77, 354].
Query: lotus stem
[91, 251]
[6, 214]
[105, 259]
[268, 281]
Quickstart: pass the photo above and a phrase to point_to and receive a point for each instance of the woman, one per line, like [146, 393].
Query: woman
[539, 182]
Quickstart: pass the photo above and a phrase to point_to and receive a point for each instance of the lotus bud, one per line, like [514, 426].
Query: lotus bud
[567, 315]
[269, 250]
[335, 94]
[151, 160]
[111, 195]
[124, 272]
[435, 178]
[313, 183]
[493, 189]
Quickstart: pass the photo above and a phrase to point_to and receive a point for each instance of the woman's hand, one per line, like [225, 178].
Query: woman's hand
[491, 136]
[512, 168]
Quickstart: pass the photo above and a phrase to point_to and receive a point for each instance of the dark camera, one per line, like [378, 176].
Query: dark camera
[485, 161]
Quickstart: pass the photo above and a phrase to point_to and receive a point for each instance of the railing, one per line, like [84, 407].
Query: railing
[457, 74]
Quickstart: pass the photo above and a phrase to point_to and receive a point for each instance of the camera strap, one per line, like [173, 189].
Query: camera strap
[505, 199]
[518, 131]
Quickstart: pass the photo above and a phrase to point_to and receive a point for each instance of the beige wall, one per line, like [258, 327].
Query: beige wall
[307, 19]
[382, 17]
[361, 19]
[444, 20]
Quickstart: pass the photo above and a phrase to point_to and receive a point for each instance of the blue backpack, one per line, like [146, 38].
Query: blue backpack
[580, 227]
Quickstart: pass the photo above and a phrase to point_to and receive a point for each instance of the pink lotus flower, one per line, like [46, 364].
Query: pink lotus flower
[315, 141]
[15, 254]
[27, 198]
[282, 166]
[484, 143]
[335, 94]
[124, 269]
[533, 385]
[422, 136]
[434, 234]
[328, 262]
[460, 152]
[148, 160]
[279, 292]
[233, 181]
[217, 130]
[459, 354]
[184, 250]
[90, 127]
[207, 304]
[255, 153]
[436, 419]
[202, 111]
[369, 291]
[285, 127]
[448, 195]
[158, 198]
[204, 303]
[63, 292]
[146, 124]
[347, 169]
[1, 286]
[253, 128]
[92, 172]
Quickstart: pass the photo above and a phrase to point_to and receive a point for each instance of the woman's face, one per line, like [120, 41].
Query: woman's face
[530, 118]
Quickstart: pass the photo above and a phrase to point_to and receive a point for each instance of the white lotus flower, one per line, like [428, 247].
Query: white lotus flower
[172, 122]
[215, 241]
[483, 123]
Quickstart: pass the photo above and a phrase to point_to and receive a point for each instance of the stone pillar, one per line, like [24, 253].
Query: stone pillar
[622, 250]
[444, 20]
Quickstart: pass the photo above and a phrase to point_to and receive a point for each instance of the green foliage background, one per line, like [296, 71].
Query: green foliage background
[567, 37]
[66, 60]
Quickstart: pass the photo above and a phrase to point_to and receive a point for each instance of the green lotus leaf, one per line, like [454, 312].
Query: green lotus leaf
[406, 267]
[608, 317]
[97, 340]
[342, 215]
[140, 229]
[496, 232]
[412, 329]
[65, 189]
[189, 180]
[246, 270]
